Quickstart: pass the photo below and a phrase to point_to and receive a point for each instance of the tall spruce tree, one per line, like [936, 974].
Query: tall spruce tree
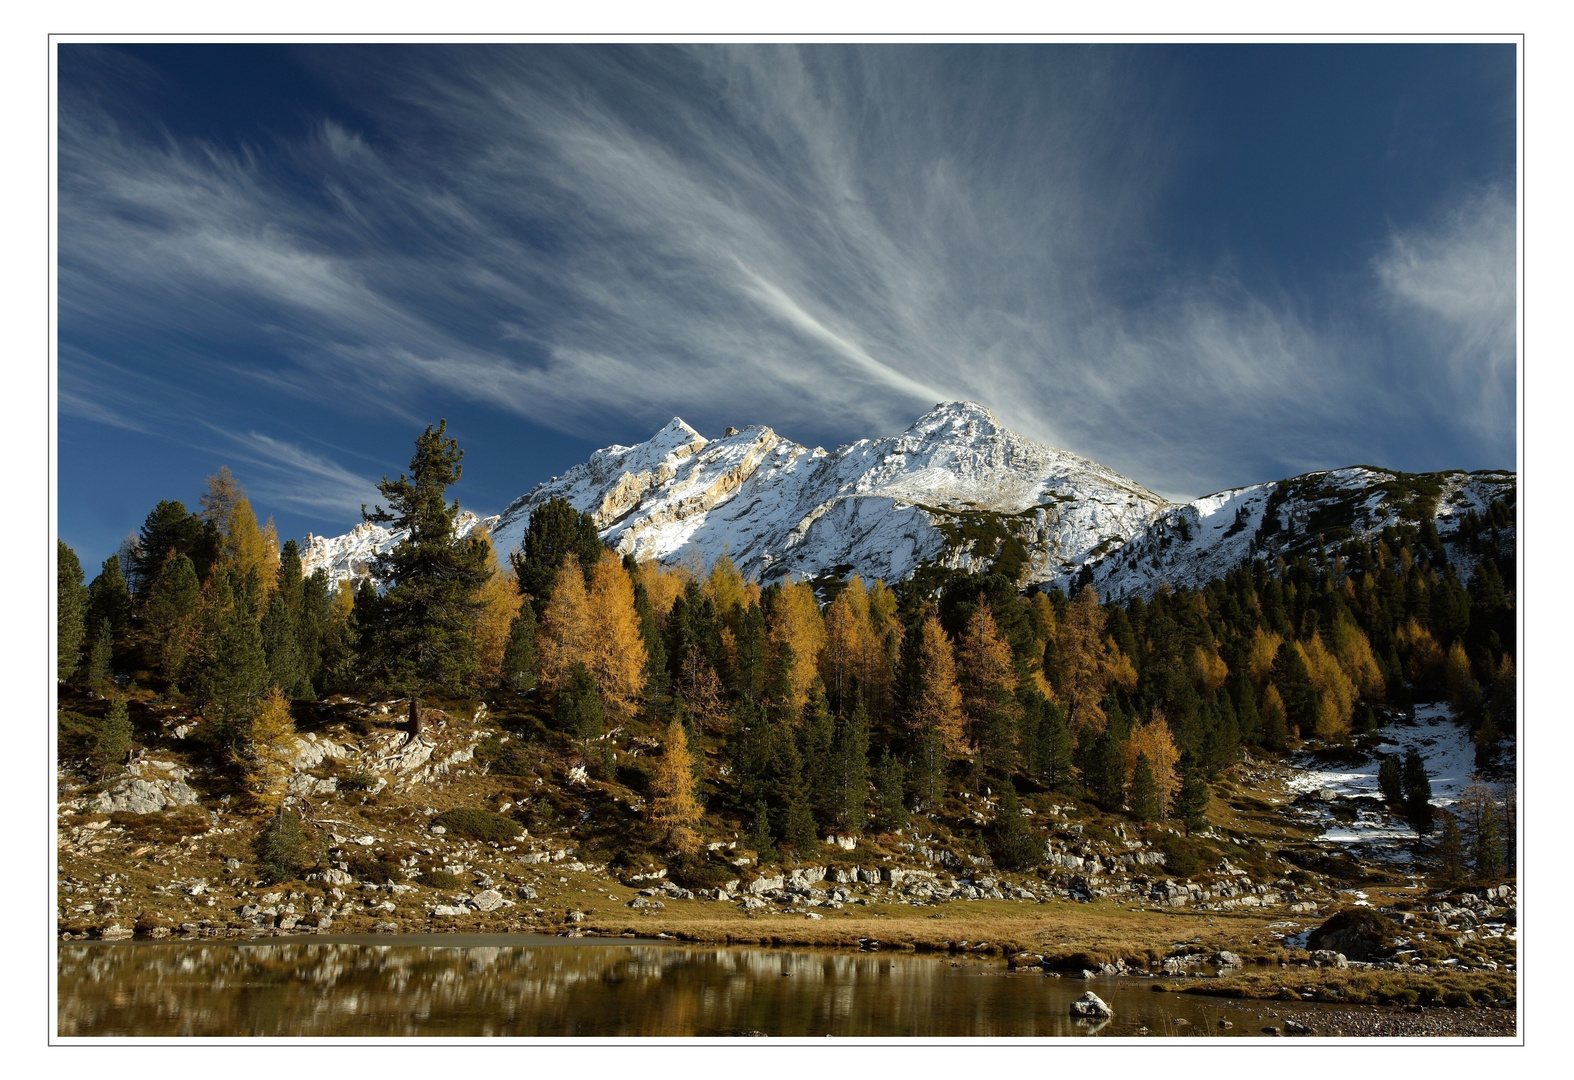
[168, 530]
[555, 530]
[851, 755]
[231, 675]
[519, 660]
[311, 634]
[890, 792]
[1192, 802]
[424, 640]
[1450, 855]
[109, 598]
[71, 602]
[112, 736]
[1144, 791]
[1390, 780]
[1489, 844]
[170, 615]
[93, 674]
[283, 652]
[1418, 793]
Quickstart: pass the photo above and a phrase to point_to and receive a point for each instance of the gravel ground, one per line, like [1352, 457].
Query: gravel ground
[1376, 1021]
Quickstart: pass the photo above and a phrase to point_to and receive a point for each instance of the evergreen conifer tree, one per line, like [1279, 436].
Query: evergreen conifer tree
[1108, 782]
[656, 679]
[760, 837]
[71, 601]
[231, 675]
[280, 647]
[519, 660]
[579, 711]
[1013, 842]
[112, 736]
[1144, 791]
[170, 615]
[425, 638]
[1294, 682]
[1192, 803]
[1390, 782]
[819, 763]
[555, 530]
[851, 756]
[890, 788]
[1418, 793]
[312, 632]
[109, 598]
[168, 530]
[96, 672]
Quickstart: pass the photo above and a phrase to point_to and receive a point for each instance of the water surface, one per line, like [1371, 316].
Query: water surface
[520, 985]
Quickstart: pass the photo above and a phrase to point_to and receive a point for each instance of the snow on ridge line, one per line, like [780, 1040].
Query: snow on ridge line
[878, 507]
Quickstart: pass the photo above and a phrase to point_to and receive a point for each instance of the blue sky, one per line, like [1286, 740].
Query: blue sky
[1201, 265]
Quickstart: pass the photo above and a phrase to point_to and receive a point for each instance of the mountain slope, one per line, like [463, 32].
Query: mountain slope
[956, 488]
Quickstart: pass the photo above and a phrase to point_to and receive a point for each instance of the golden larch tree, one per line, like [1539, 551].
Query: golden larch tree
[1354, 650]
[563, 636]
[1260, 653]
[986, 676]
[673, 808]
[1088, 661]
[616, 647]
[500, 600]
[1153, 738]
[270, 739]
[849, 638]
[796, 623]
[247, 546]
[1337, 692]
[938, 702]
[1209, 667]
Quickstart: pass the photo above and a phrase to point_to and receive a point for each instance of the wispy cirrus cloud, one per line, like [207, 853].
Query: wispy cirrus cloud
[827, 240]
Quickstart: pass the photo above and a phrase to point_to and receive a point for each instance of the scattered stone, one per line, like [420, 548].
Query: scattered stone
[1092, 1007]
[1294, 1027]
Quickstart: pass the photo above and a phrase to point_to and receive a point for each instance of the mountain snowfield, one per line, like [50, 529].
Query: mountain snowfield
[956, 488]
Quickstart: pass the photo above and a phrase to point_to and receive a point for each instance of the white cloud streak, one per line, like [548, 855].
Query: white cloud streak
[814, 239]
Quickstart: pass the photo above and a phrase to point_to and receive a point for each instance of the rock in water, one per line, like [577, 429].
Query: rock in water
[1092, 1007]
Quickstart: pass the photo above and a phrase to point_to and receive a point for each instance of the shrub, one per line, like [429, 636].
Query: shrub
[501, 757]
[439, 879]
[283, 849]
[1182, 857]
[374, 870]
[700, 872]
[357, 780]
[477, 824]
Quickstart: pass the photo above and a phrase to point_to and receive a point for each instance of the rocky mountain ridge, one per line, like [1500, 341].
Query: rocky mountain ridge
[956, 489]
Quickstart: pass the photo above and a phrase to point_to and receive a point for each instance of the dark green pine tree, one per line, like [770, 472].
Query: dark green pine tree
[231, 676]
[1450, 855]
[657, 682]
[580, 712]
[112, 736]
[749, 672]
[170, 613]
[555, 530]
[1418, 793]
[818, 736]
[109, 598]
[311, 633]
[71, 602]
[1294, 681]
[1144, 791]
[1248, 719]
[1013, 843]
[169, 529]
[288, 583]
[424, 639]
[1056, 767]
[519, 659]
[795, 826]
[285, 669]
[850, 753]
[1192, 802]
[1390, 781]
[890, 787]
[1108, 782]
[95, 673]
[760, 838]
